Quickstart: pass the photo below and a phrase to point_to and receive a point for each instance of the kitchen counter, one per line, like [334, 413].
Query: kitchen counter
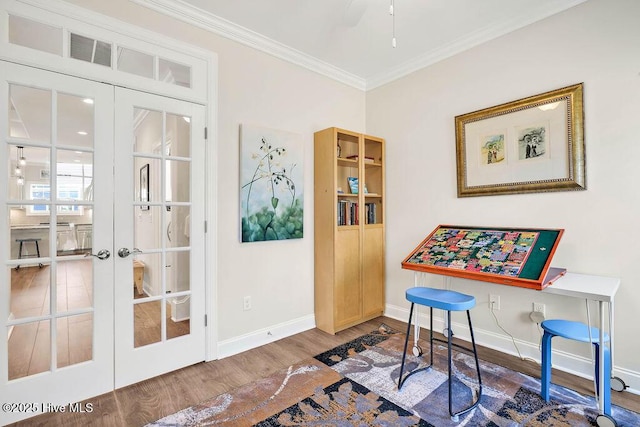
[68, 238]
[61, 225]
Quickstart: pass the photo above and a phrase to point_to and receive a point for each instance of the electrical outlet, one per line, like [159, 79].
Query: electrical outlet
[494, 302]
[247, 303]
[537, 315]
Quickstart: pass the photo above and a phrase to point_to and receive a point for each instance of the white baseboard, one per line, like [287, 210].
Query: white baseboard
[264, 336]
[567, 362]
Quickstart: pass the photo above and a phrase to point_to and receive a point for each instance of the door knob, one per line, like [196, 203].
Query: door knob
[102, 254]
[125, 252]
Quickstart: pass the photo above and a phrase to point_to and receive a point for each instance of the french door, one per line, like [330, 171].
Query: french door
[102, 237]
[160, 323]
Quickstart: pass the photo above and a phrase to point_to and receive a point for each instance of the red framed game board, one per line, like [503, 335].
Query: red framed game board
[508, 256]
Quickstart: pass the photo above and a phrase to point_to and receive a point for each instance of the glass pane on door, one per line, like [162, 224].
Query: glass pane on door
[29, 348]
[74, 339]
[75, 120]
[147, 323]
[147, 275]
[30, 292]
[74, 285]
[29, 113]
[178, 316]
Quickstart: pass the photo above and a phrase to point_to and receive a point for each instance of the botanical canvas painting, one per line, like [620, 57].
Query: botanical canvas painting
[271, 184]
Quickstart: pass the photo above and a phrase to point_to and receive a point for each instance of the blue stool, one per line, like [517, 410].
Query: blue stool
[579, 332]
[444, 300]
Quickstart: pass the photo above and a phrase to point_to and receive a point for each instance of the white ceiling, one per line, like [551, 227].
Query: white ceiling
[350, 40]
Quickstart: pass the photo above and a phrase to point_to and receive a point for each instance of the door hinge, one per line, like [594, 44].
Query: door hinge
[205, 320]
[205, 133]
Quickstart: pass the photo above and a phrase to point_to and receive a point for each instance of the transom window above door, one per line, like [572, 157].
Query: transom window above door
[46, 38]
[49, 35]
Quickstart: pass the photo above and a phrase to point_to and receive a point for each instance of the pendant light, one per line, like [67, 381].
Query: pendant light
[393, 24]
[23, 160]
[20, 161]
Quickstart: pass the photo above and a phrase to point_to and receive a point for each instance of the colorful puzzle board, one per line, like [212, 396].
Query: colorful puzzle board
[519, 257]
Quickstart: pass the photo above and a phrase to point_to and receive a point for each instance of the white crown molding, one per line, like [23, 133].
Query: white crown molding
[207, 21]
[195, 16]
[465, 43]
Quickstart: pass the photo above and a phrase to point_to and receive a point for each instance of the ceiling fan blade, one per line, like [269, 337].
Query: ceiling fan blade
[353, 12]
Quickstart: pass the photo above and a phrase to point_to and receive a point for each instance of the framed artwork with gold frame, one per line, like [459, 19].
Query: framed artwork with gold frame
[535, 144]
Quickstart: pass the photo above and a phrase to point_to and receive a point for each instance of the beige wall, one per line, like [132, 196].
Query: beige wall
[256, 88]
[595, 43]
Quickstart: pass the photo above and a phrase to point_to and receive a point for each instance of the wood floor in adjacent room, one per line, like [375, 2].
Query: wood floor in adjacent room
[155, 398]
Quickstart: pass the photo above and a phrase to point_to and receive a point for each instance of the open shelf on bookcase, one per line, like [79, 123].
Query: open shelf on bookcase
[348, 162]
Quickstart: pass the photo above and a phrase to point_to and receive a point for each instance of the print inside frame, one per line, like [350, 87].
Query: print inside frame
[535, 144]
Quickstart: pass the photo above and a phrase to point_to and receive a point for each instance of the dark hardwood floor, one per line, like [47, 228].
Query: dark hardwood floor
[155, 398]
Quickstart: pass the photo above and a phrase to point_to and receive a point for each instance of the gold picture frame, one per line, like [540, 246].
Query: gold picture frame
[531, 145]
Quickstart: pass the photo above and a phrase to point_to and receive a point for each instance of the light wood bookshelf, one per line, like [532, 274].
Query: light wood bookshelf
[349, 229]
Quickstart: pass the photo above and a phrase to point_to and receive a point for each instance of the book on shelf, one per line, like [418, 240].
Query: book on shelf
[347, 213]
[353, 184]
[370, 216]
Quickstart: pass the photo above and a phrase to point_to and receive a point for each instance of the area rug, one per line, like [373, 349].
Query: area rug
[355, 384]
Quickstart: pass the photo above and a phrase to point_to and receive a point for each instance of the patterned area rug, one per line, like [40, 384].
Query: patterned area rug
[355, 384]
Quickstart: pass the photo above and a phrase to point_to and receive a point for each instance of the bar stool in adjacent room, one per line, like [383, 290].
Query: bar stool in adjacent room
[22, 255]
[449, 301]
[576, 331]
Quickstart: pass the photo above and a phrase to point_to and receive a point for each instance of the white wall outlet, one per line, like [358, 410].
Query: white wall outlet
[537, 315]
[494, 302]
[539, 308]
[246, 303]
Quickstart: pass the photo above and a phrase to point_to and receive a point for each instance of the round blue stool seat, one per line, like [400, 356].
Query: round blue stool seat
[441, 299]
[569, 329]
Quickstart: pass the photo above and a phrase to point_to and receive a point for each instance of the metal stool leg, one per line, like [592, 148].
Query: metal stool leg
[406, 342]
[455, 416]
[404, 353]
